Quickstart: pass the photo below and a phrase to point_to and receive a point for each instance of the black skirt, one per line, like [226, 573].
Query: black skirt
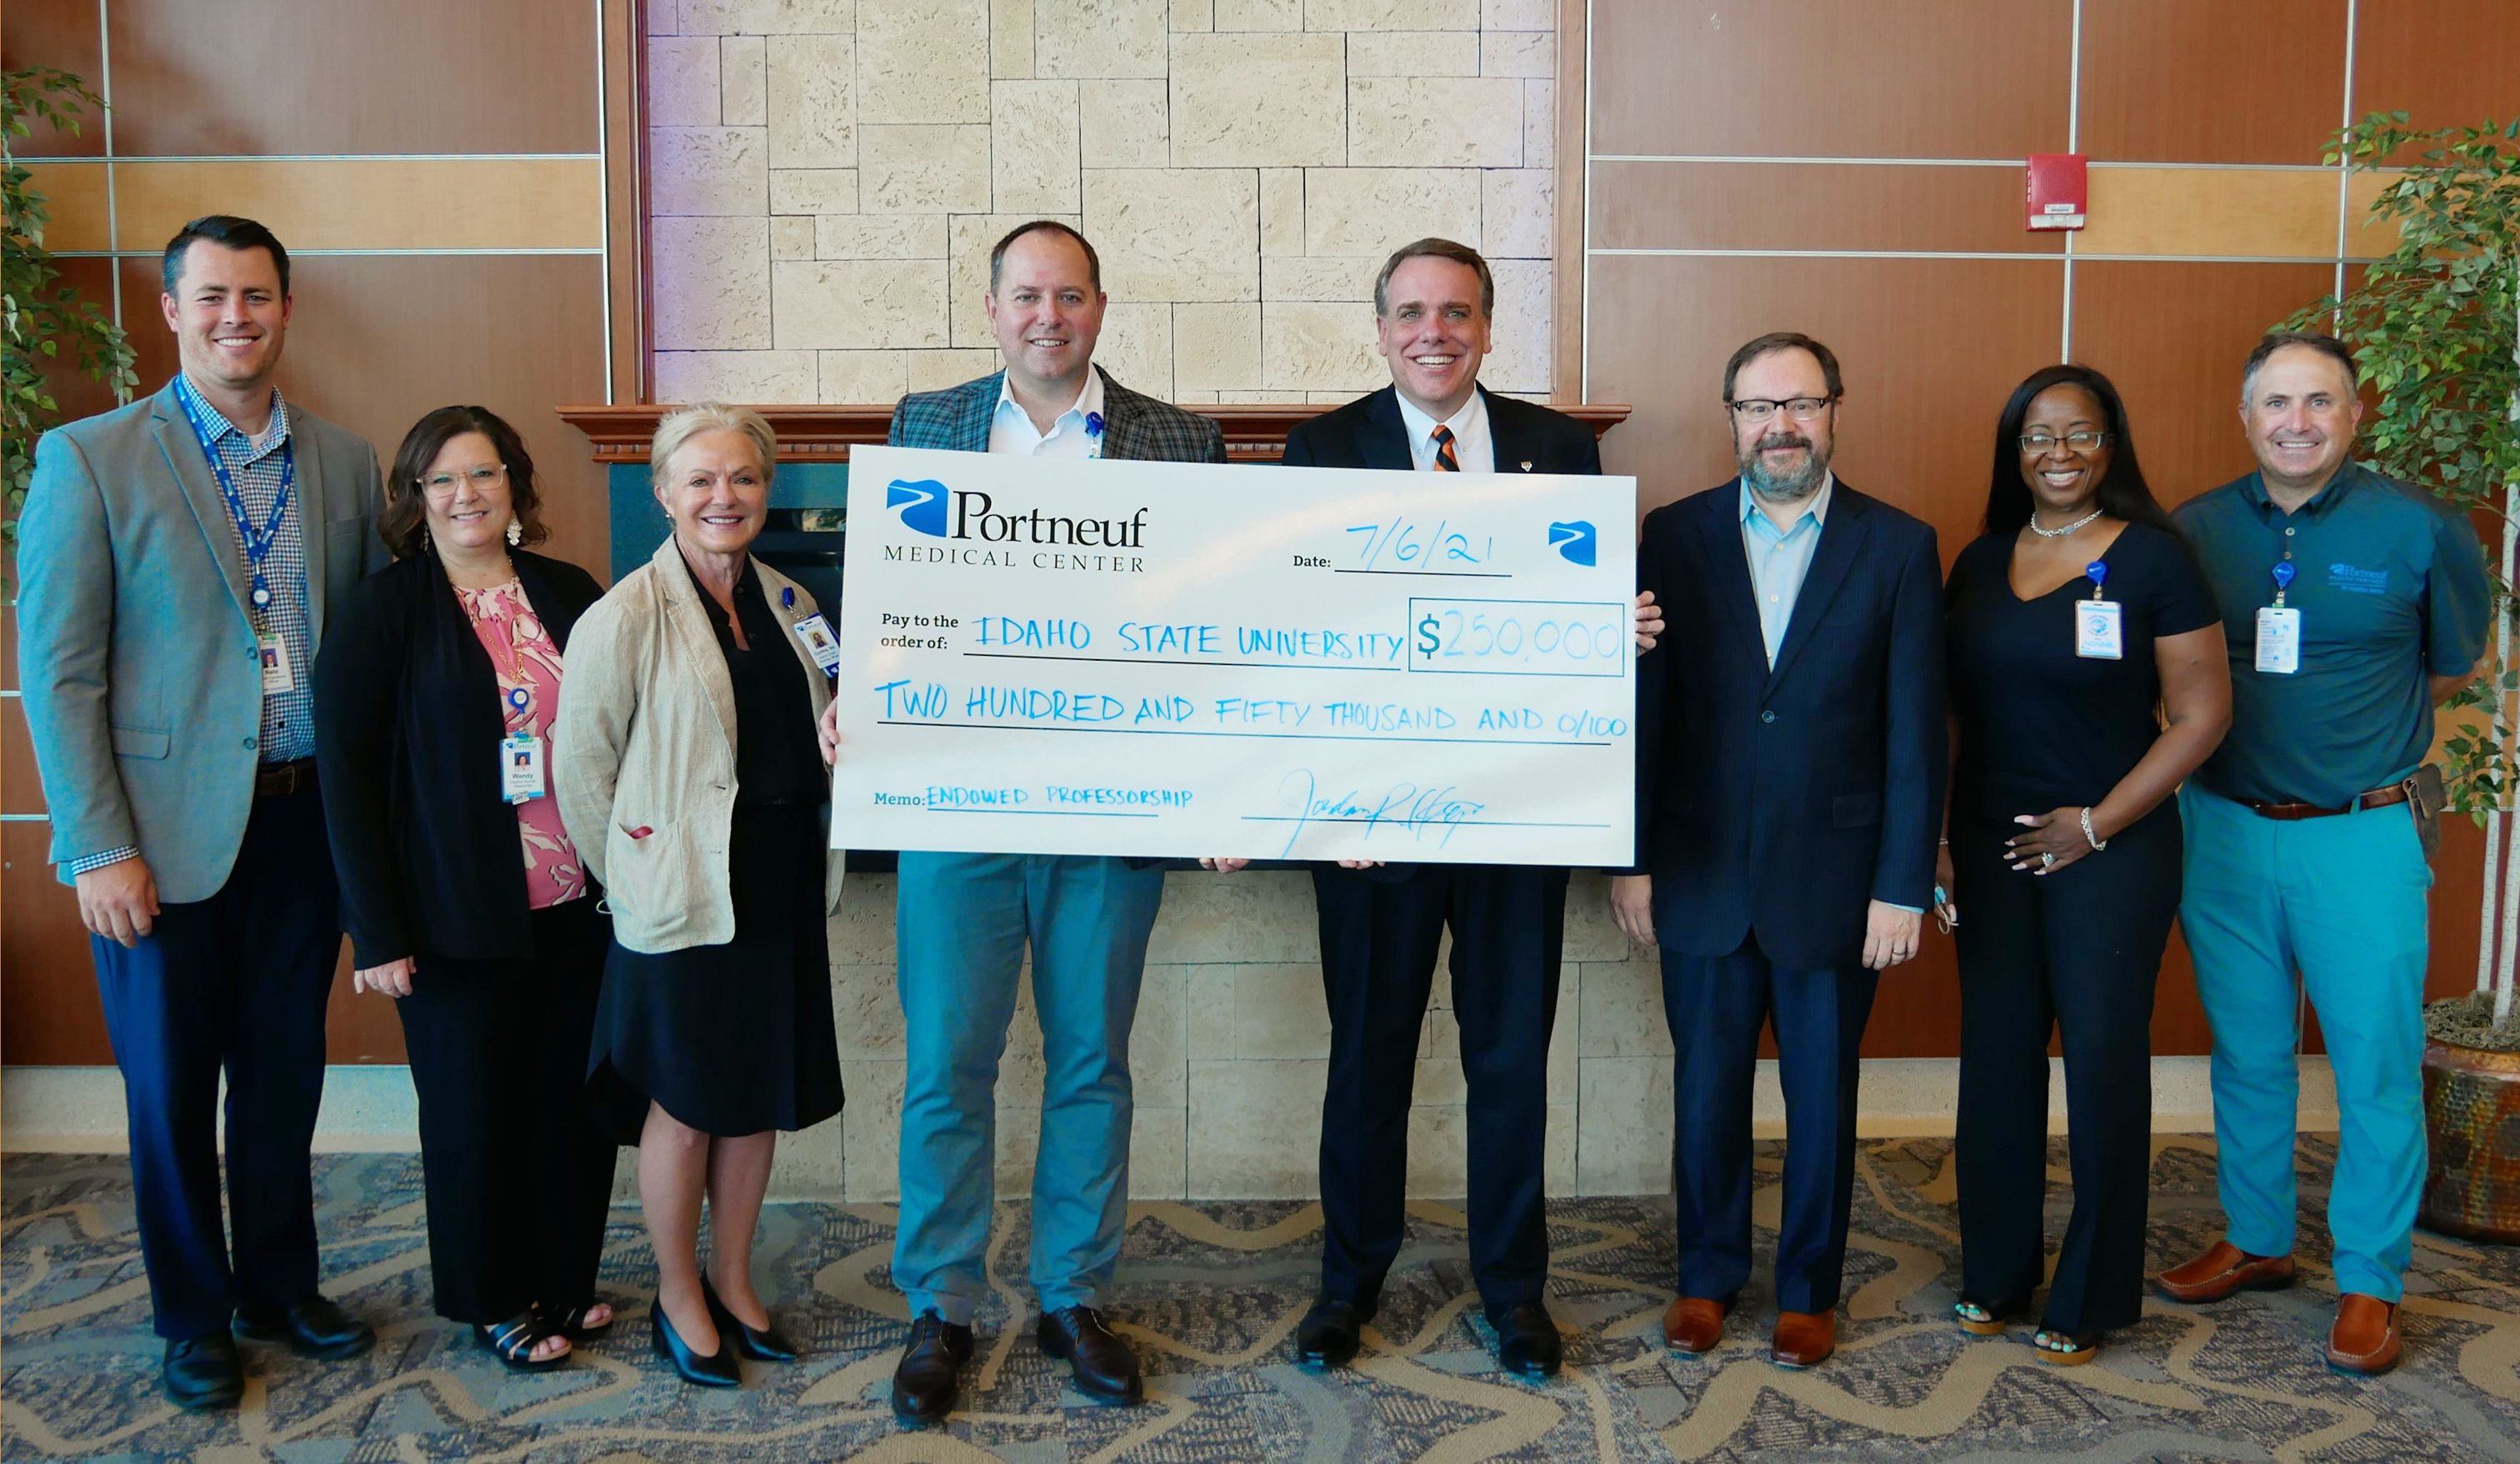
[733, 1038]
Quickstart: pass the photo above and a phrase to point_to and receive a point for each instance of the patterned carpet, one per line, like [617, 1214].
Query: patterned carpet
[1211, 1293]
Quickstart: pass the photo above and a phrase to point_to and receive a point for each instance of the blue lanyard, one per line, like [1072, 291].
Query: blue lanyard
[258, 543]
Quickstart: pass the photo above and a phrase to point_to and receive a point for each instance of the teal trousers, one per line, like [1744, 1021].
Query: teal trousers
[2339, 901]
[963, 923]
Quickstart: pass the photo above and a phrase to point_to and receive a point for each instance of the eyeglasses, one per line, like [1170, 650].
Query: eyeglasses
[1800, 409]
[2040, 443]
[479, 477]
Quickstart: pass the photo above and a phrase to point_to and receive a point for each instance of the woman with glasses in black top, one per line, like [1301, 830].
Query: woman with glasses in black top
[2088, 680]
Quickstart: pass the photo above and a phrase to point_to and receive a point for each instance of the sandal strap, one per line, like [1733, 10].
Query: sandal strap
[518, 1336]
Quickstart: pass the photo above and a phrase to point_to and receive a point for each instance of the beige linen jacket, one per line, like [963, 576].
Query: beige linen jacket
[646, 740]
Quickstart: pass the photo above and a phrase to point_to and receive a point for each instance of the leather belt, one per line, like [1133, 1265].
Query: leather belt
[2395, 792]
[275, 779]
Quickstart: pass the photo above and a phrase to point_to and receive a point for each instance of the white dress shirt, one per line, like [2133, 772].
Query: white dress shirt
[1474, 445]
[1011, 431]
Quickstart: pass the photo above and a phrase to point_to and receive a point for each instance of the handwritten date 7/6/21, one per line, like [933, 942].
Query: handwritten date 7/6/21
[1404, 544]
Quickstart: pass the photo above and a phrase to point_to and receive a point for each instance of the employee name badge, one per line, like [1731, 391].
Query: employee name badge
[273, 652]
[2279, 629]
[2099, 624]
[520, 766]
[819, 640]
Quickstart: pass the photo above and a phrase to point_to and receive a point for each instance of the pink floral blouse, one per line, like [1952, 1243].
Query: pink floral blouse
[522, 654]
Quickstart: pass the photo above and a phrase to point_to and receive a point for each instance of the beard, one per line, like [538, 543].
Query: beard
[1789, 487]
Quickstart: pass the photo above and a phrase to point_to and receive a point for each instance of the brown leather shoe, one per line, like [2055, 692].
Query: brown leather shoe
[1803, 1338]
[2222, 1269]
[2364, 1339]
[1692, 1324]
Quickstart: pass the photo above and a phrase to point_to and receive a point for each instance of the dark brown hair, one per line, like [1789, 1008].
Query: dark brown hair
[229, 231]
[1785, 340]
[998, 254]
[2275, 340]
[406, 519]
[1435, 248]
[2122, 493]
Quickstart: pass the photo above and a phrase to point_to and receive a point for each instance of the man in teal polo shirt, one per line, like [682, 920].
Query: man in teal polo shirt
[2351, 604]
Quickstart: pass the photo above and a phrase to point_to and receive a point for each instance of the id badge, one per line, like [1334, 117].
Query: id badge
[520, 766]
[2099, 633]
[2279, 640]
[820, 642]
[276, 675]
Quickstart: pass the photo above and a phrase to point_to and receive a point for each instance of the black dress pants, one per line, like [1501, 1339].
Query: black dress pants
[2076, 951]
[517, 1176]
[1379, 935]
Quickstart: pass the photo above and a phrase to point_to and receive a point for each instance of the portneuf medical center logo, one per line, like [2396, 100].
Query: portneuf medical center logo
[931, 509]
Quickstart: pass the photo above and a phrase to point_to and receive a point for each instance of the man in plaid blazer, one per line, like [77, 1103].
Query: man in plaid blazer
[963, 919]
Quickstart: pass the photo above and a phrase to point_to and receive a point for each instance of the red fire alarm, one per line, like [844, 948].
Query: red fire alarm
[2059, 189]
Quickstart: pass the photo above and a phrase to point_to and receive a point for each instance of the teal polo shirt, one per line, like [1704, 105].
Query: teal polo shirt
[2390, 587]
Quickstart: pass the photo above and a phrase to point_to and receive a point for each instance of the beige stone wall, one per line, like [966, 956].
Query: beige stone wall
[1230, 1049]
[828, 176]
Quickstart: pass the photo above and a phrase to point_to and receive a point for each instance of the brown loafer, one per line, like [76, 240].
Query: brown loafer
[2222, 1269]
[1692, 1324]
[1803, 1338]
[2364, 1339]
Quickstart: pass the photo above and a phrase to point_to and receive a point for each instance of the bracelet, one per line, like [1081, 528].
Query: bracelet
[2096, 842]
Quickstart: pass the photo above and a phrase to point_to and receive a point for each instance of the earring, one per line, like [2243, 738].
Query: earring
[425, 545]
[516, 533]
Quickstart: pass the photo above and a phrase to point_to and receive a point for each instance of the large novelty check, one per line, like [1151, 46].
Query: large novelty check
[1184, 659]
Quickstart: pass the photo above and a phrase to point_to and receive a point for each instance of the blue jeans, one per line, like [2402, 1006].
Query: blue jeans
[962, 922]
[2341, 900]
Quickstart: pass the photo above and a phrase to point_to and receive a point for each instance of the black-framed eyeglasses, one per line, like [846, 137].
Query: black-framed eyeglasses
[2081, 442]
[1799, 408]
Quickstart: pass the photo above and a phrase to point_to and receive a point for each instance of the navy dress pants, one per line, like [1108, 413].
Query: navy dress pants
[237, 981]
[1716, 1007]
[1379, 935]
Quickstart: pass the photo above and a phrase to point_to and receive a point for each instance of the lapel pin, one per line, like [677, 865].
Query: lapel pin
[1526, 465]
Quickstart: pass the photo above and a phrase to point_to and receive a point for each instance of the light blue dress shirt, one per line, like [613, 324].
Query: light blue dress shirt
[1781, 558]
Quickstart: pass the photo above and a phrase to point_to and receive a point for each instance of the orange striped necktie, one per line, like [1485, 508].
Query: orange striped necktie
[1445, 461]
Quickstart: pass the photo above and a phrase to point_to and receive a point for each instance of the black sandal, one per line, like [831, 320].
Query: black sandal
[2067, 1348]
[514, 1342]
[1987, 1318]
[571, 1321]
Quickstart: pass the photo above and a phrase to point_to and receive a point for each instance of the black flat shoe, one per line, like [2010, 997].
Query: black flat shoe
[202, 1372]
[1329, 1334]
[923, 1384]
[514, 1340]
[1527, 1340]
[760, 1344]
[312, 1328]
[1104, 1368]
[717, 1370]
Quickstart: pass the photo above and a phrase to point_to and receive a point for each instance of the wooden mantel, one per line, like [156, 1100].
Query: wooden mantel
[824, 434]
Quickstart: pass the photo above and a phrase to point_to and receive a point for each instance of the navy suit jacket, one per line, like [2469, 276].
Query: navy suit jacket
[1783, 802]
[1369, 433]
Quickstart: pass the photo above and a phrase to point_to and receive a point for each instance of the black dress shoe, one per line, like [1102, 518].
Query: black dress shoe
[717, 1370]
[1328, 1336]
[760, 1344]
[204, 1372]
[1104, 1365]
[312, 1328]
[923, 1385]
[1527, 1341]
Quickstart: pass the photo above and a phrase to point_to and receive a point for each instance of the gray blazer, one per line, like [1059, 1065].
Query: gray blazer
[142, 687]
[1136, 426]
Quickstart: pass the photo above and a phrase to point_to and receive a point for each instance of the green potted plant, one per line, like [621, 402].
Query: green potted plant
[43, 323]
[2436, 324]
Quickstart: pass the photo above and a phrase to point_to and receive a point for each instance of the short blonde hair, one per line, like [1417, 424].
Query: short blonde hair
[681, 426]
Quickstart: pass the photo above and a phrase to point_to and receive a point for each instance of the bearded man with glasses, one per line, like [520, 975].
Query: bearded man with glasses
[1789, 783]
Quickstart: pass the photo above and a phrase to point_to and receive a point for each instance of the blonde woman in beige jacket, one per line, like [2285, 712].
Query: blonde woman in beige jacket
[690, 778]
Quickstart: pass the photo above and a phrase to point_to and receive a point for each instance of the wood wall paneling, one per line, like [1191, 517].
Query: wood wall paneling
[2172, 336]
[1803, 205]
[47, 982]
[378, 340]
[2219, 212]
[2447, 63]
[2179, 82]
[332, 203]
[1822, 78]
[1930, 347]
[60, 33]
[215, 78]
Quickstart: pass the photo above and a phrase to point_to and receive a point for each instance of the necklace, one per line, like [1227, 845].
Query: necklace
[2067, 529]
